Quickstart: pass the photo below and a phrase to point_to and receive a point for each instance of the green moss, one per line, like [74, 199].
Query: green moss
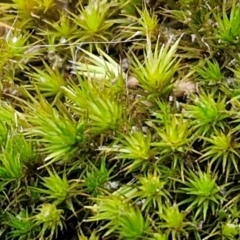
[119, 119]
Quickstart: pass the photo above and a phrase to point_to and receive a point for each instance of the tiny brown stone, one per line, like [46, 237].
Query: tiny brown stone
[185, 87]
[132, 83]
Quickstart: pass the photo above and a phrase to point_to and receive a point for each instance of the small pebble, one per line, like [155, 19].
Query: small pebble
[183, 88]
[132, 83]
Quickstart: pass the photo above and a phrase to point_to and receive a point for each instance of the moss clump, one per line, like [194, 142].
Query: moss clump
[119, 119]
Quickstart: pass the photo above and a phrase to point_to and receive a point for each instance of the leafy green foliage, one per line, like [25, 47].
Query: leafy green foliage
[137, 148]
[21, 225]
[95, 178]
[152, 190]
[230, 230]
[207, 114]
[122, 217]
[104, 68]
[60, 189]
[158, 68]
[223, 150]
[102, 114]
[60, 136]
[13, 158]
[93, 236]
[64, 28]
[210, 72]
[50, 218]
[147, 24]
[174, 222]
[119, 119]
[94, 21]
[228, 26]
[49, 83]
[204, 194]
[173, 137]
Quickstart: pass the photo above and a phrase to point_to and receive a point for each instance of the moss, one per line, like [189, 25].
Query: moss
[119, 119]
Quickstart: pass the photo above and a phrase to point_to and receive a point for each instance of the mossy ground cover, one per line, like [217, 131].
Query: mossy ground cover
[119, 119]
